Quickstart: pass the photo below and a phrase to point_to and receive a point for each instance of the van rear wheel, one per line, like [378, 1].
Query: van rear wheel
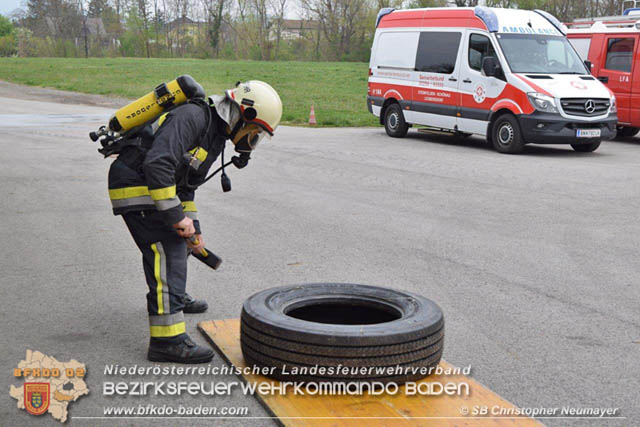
[394, 122]
[586, 148]
[505, 136]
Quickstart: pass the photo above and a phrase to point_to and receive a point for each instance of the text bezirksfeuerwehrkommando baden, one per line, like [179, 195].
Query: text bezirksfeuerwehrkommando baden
[133, 370]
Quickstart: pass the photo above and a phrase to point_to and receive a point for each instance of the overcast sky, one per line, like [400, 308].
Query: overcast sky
[7, 6]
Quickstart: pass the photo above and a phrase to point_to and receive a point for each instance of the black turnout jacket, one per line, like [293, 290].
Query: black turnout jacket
[153, 175]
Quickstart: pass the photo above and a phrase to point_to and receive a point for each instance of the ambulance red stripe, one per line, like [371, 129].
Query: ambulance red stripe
[533, 85]
[440, 18]
[515, 100]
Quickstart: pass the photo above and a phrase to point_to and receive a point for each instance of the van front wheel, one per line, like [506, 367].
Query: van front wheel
[394, 122]
[506, 136]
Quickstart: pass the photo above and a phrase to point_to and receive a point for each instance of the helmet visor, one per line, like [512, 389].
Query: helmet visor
[250, 136]
[258, 137]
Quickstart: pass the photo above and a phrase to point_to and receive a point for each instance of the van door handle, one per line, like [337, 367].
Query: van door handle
[466, 81]
[453, 79]
[604, 79]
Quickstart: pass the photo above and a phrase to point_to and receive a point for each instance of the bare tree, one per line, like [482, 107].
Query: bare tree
[143, 14]
[261, 15]
[85, 29]
[339, 21]
[168, 39]
[466, 3]
[279, 9]
[214, 12]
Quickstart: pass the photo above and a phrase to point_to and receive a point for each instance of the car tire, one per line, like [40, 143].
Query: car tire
[626, 132]
[331, 325]
[394, 122]
[506, 136]
[586, 148]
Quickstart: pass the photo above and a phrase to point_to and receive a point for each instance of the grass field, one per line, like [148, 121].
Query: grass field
[336, 90]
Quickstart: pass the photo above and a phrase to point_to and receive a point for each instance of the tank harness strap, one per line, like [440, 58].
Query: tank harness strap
[191, 158]
[164, 97]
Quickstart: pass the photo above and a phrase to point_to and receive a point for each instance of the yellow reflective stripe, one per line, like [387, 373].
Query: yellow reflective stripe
[163, 193]
[128, 192]
[162, 119]
[200, 153]
[156, 273]
[168, 331]
[189, 207]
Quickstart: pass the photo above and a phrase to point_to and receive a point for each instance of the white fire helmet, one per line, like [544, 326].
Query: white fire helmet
[261, 111]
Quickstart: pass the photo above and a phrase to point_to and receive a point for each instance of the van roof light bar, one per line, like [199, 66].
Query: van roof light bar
[631, 11]
[382, 13]
[553, 20]
[488, 16]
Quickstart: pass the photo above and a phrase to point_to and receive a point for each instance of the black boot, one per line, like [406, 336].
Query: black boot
[182, 352]
[192, 305]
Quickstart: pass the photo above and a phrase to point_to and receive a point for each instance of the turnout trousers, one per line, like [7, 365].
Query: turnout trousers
[164, 260]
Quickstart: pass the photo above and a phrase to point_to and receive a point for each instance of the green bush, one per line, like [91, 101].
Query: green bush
[8, 46]
[6, 27]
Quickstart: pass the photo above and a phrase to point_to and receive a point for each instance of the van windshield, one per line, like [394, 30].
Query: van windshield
[536, 53]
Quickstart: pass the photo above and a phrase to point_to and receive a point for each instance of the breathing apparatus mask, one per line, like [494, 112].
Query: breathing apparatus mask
[252, 111]
[245, 130]
[247, 138]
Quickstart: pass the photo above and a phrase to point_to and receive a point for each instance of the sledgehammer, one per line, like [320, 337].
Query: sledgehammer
[206, 256]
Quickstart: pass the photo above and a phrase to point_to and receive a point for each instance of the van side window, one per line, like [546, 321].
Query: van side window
[619, 55]
[397, 50]
[437, 52]
[479, 48]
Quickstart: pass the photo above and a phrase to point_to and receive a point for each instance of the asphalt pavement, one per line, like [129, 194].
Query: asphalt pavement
[533, 258]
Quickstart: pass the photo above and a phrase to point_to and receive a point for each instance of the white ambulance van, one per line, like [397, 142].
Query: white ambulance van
[508, 75]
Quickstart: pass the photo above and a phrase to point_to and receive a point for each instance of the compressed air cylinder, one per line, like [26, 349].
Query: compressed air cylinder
[150, 106]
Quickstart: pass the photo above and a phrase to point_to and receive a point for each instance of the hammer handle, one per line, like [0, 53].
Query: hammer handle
[205, 255]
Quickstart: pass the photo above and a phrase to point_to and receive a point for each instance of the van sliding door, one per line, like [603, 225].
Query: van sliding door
[393, 69]
[435, 91]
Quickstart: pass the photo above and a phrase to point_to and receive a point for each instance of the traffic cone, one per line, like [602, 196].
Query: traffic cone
[312, 116]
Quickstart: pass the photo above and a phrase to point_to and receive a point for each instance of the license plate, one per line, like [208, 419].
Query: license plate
[588, 133]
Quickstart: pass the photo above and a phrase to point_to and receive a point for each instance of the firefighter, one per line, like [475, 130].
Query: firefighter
[152, 185]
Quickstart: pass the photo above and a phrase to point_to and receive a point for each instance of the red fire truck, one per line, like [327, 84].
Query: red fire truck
[612, 45]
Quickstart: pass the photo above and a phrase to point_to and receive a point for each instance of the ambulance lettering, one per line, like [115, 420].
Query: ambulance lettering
[529, 30]
[431, 80]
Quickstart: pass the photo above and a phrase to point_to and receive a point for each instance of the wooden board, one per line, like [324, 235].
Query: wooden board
[382, 410]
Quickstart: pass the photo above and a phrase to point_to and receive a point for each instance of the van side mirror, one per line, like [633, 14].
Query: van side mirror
[490, 66]
[589, 65]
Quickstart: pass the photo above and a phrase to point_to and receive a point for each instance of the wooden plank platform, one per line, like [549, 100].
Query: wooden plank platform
[382, 410]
